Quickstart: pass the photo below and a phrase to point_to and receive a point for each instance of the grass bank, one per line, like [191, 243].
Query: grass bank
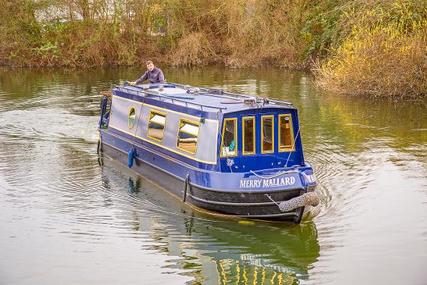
[373, 48]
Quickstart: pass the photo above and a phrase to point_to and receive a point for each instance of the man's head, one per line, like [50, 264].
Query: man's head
[150, 65]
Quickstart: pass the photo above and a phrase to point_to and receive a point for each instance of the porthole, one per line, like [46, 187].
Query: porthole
[131, 118]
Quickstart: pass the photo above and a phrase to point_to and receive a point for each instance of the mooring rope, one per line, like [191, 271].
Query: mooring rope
[274, 175]
[269, 197]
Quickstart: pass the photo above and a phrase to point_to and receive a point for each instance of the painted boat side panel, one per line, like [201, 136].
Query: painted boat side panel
[259, 160]
[206, 147]
[148, 154]
[250, 182]
[167, 105]
[156, 149]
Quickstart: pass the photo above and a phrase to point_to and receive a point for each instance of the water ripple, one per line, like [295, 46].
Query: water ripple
[59, 206]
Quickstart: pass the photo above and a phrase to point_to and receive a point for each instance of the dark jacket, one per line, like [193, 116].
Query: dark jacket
[154, 76]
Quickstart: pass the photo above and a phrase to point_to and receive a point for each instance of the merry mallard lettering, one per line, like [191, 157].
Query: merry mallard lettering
[265, 183]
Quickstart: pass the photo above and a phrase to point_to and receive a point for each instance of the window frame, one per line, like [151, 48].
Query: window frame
[235, 137]
[272, 134]
[183, 121]
[152, 113]
[134, 123]
[244, 119]
[285, 148]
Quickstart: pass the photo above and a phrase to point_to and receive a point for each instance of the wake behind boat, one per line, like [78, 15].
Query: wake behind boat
[224, 152]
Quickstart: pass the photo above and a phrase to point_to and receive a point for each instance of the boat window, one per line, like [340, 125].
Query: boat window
[187, 136]
[156, 125]
[131, 118]
[248, 135]
[229, 138]
[267, 134]
[286, 135]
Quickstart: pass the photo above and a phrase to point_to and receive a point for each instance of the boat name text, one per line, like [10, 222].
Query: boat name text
[264, 183]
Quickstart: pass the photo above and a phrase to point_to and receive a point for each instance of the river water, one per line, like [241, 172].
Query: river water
[66, 219]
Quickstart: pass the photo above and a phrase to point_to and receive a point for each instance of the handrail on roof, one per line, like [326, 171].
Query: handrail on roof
[215, 92]
[206, 91]
[172, 100]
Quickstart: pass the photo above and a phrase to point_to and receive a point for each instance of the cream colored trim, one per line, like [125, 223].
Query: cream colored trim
[162, 146]
[214, 162]
[235, 136]
[285, 148]
[148, 124]
[248, 118]
[135, 120]
[182, 120]
[262, 133]
[163, 109]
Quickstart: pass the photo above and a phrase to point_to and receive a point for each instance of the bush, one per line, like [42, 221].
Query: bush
[193, 49]
[384, 55]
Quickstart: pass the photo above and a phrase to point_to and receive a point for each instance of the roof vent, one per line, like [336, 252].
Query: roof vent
[249, 101]
[216, 91]
[193, 90]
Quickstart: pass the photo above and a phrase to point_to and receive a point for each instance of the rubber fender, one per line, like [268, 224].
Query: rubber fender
[131, 157]
[306, 199]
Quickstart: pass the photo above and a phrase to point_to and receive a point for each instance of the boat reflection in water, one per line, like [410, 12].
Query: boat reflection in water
[212, 250]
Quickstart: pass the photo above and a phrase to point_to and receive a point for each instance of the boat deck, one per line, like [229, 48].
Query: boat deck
[206, 99]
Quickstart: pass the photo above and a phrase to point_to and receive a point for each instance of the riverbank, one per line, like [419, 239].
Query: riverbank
[352, 47]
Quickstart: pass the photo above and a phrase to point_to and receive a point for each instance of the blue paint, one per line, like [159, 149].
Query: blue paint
[258, 160]
[214, 180]
[256, 173]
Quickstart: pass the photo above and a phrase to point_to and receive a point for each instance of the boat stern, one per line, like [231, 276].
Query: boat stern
[269, 195]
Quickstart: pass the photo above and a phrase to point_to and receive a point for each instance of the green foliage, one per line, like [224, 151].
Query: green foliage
[321, 28]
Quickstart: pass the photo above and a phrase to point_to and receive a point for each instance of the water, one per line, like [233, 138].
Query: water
[64, 219]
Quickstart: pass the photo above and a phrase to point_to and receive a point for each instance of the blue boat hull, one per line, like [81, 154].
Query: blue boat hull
[171, 176]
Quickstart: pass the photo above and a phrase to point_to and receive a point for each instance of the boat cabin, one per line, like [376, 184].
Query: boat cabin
[207, 128]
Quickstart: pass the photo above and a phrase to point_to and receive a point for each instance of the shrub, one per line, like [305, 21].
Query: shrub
[193, 49]
[384, 55]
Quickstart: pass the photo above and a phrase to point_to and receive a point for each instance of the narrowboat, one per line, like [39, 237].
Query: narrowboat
[219, 151]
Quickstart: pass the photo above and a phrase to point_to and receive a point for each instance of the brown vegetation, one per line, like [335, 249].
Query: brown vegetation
[360, 47]
[182, 32]
[385, 54]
